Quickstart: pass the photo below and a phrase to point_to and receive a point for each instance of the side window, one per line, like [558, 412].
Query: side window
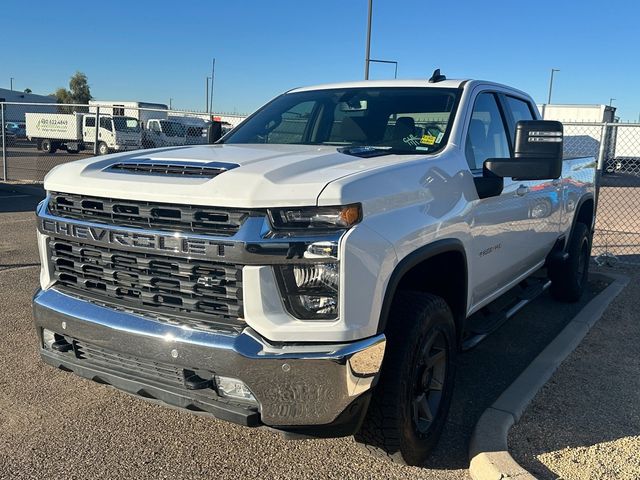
[90, 121]
[520, 110]
[105, 123]
[486, 136]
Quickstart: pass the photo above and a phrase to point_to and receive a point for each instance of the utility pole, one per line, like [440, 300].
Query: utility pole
[368, 51]
[611, 101]
[11, 82]
[553, 70]
[170, 99]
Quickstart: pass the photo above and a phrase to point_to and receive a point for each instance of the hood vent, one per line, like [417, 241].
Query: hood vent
[174, 169]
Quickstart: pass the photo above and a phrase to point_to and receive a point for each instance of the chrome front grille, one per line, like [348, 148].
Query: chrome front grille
[200, 294]
[149, 215]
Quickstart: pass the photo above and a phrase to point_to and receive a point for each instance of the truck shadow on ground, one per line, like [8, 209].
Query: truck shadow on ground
[14, 200]
[487, 370]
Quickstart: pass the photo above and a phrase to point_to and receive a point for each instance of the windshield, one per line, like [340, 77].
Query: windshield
[401, 120]
[173, 129]
[126, 124]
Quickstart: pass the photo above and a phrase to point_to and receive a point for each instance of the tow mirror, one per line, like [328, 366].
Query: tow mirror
[537, 153]
[214, 131]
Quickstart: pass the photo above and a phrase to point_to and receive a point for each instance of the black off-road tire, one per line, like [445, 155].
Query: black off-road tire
[393, 428]
[569, 279]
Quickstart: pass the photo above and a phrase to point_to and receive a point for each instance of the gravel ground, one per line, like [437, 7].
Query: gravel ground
[57, 425]
[585, 423]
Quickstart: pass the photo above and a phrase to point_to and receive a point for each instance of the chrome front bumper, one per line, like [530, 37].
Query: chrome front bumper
[294, 384]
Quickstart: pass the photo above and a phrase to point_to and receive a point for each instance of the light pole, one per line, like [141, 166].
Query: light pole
[206, 105]
[611, 101]
[11, 82]
[553, 70]
[368, 51]
[170, 100]
[213, 70]
[395, 73]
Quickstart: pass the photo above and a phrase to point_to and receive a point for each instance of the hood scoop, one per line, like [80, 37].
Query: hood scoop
[171, 168]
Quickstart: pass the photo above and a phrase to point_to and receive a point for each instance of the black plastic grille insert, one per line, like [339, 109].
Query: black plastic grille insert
[201, 295]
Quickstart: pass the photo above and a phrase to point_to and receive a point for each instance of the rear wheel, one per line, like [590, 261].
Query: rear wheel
[48, 146]
[411, 401]
[569, 279]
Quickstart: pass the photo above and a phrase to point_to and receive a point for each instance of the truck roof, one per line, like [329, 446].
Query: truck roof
[420, 82]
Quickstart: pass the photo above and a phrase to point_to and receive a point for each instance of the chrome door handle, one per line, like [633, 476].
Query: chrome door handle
[522, 190]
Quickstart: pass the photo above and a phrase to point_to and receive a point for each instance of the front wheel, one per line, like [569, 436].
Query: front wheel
[102, 148]
[410, 404]
[569, 279]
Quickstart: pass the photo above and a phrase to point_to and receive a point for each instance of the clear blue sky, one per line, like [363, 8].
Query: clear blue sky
[152, 50]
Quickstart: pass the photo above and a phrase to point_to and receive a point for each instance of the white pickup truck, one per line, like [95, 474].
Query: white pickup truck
[318, 269]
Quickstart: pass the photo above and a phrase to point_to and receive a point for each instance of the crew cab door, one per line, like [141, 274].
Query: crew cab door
[542, 197]
[504, 228]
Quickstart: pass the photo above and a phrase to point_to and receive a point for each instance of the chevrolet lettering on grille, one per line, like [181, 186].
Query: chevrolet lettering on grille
[146, 241]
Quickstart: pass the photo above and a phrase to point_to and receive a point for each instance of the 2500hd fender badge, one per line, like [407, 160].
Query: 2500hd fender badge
[147, 241]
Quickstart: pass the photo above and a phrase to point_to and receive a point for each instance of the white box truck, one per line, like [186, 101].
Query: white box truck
[75, 132]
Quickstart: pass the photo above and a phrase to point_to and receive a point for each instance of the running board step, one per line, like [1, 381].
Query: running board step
[494, 315]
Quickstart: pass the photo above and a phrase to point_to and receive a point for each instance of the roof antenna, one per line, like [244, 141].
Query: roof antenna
[436, 77]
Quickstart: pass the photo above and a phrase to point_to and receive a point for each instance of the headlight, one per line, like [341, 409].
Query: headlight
[311, 290]
[315, 217]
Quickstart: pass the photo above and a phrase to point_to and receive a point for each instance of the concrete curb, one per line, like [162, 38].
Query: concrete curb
[28, 189]
[488, 450]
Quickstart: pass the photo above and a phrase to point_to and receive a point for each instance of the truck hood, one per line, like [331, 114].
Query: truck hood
[258, 175]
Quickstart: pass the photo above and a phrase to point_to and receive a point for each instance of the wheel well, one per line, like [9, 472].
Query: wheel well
[585, 214]
[444, 275]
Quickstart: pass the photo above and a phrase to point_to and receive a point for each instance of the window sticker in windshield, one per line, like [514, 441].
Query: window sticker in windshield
[439, 139]
[428, 140]
[411, 140]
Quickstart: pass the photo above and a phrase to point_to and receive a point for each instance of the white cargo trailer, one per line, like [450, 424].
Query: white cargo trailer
[75, 132]
[143, 111]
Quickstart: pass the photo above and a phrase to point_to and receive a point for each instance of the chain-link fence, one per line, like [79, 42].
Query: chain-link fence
[617, 148]
[38, 136]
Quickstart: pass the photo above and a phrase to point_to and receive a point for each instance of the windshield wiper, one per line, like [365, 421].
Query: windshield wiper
[373, 151]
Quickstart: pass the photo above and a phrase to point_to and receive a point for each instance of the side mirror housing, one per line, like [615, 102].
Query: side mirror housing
[537, 152]
[214, 132]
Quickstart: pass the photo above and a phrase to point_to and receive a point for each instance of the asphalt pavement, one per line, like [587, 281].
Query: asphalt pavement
[56, 425]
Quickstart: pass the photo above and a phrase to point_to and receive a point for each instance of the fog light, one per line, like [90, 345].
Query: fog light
[233, 388]
[48, 338]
